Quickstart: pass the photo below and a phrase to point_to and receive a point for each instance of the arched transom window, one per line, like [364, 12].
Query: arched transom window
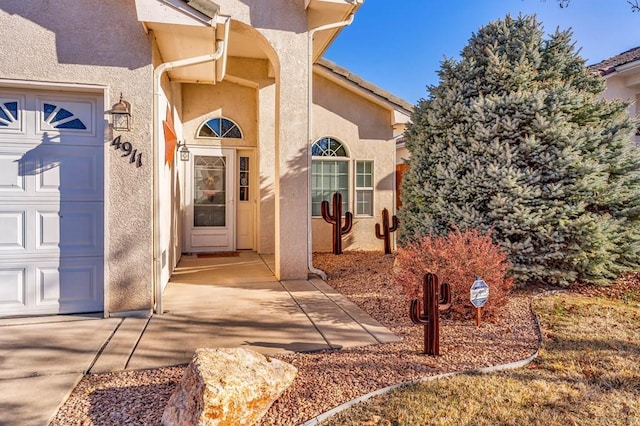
[330, 172]
[221, 128]
[328, 147]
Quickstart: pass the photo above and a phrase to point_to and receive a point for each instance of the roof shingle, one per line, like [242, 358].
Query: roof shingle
[609, 66]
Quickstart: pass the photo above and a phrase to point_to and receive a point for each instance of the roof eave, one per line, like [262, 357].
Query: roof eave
[322, 12]
[401, 110]
[628, 67]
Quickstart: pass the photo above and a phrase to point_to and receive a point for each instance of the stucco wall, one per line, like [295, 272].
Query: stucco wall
[102, 44]
[202, 102]
[617, 88]
[366, 130]
[177, 202]
[622, 87]
[402, 154]
[281, 27]
[267, 157]
[169, 179]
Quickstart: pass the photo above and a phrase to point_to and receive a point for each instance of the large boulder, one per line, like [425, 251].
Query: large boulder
[233, 386]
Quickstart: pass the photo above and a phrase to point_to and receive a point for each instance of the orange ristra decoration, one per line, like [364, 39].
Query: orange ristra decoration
[170, 139]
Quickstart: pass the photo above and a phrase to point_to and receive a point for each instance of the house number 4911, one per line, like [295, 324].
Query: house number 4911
[133, 154]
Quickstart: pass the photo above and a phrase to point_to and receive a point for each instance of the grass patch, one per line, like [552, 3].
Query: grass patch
[587, 372]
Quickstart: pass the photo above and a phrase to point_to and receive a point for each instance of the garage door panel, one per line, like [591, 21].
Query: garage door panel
[48, 230]
[61, 115]
[60, 172]
[13, 291]
[81, 225]
[76, 230]
[12, 230]
[11, 180]
[74, 285]
[11, 114]
[72, 172]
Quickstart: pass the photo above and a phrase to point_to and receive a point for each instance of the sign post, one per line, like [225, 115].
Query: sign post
[479, 294]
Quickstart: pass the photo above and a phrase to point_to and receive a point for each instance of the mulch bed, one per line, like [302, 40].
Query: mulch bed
[329, 378]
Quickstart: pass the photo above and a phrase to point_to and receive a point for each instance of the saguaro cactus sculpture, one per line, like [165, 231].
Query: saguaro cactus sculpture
[433, 301]
[336, 220]
[386, 230]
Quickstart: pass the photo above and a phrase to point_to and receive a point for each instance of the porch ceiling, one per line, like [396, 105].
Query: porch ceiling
[181, 32]
[242, 43]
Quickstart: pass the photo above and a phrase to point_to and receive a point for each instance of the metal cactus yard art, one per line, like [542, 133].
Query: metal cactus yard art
[386, 230]
[336, 220]
[434, 300]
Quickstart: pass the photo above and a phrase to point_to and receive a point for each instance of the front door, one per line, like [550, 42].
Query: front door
[210, 204]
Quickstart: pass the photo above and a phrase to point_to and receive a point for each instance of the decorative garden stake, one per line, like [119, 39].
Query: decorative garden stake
[433, 301]
[386, 230]
[479, 294]
[336, 220]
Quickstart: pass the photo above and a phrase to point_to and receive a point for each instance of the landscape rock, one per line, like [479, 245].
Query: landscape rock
[230, 386]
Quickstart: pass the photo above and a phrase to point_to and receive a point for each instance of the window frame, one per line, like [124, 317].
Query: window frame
[357, 189]
[331, 157]
[221, 118]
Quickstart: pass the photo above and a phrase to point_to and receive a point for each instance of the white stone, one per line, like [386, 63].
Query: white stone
[234, 386]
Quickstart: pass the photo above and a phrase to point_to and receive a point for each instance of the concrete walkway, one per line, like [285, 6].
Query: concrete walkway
[209, 302]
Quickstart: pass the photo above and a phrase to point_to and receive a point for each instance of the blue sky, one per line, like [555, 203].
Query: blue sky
[399, 44]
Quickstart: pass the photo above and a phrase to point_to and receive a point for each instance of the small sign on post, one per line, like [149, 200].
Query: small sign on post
[479, 295]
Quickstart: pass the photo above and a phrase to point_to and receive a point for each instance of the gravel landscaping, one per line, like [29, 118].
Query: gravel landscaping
[329, 378]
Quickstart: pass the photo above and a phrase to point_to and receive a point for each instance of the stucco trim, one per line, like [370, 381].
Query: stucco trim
[50, 85]
[629, 67]
[622, 70]
[170, 12]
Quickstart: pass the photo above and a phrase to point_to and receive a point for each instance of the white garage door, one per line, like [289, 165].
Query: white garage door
[51, 203]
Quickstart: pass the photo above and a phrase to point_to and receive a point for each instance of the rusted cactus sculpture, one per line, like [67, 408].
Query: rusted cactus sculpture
[434, 300]
[336, 220]
[386, 230]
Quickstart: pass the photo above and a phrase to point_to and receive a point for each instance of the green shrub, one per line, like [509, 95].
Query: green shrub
[457, 259]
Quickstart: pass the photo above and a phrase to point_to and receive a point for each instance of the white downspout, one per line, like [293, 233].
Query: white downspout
[312, 32]
[157, 76]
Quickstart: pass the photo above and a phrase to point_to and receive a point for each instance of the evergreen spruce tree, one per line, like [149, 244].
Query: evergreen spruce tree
[517, 139]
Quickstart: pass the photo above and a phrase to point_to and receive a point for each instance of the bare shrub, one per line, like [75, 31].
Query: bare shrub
[457, 259]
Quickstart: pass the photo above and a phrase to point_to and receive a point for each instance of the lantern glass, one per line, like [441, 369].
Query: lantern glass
[121, 121]
[121, 115]
[184, 153]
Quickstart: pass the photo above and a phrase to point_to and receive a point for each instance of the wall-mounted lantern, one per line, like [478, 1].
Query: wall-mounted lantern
[184, 151]
[121, 115]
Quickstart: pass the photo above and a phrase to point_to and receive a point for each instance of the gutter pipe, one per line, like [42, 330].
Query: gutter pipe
[157, 77]
[312, 32]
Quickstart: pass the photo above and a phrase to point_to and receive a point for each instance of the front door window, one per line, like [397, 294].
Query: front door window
[244, 179]
[209, 195]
